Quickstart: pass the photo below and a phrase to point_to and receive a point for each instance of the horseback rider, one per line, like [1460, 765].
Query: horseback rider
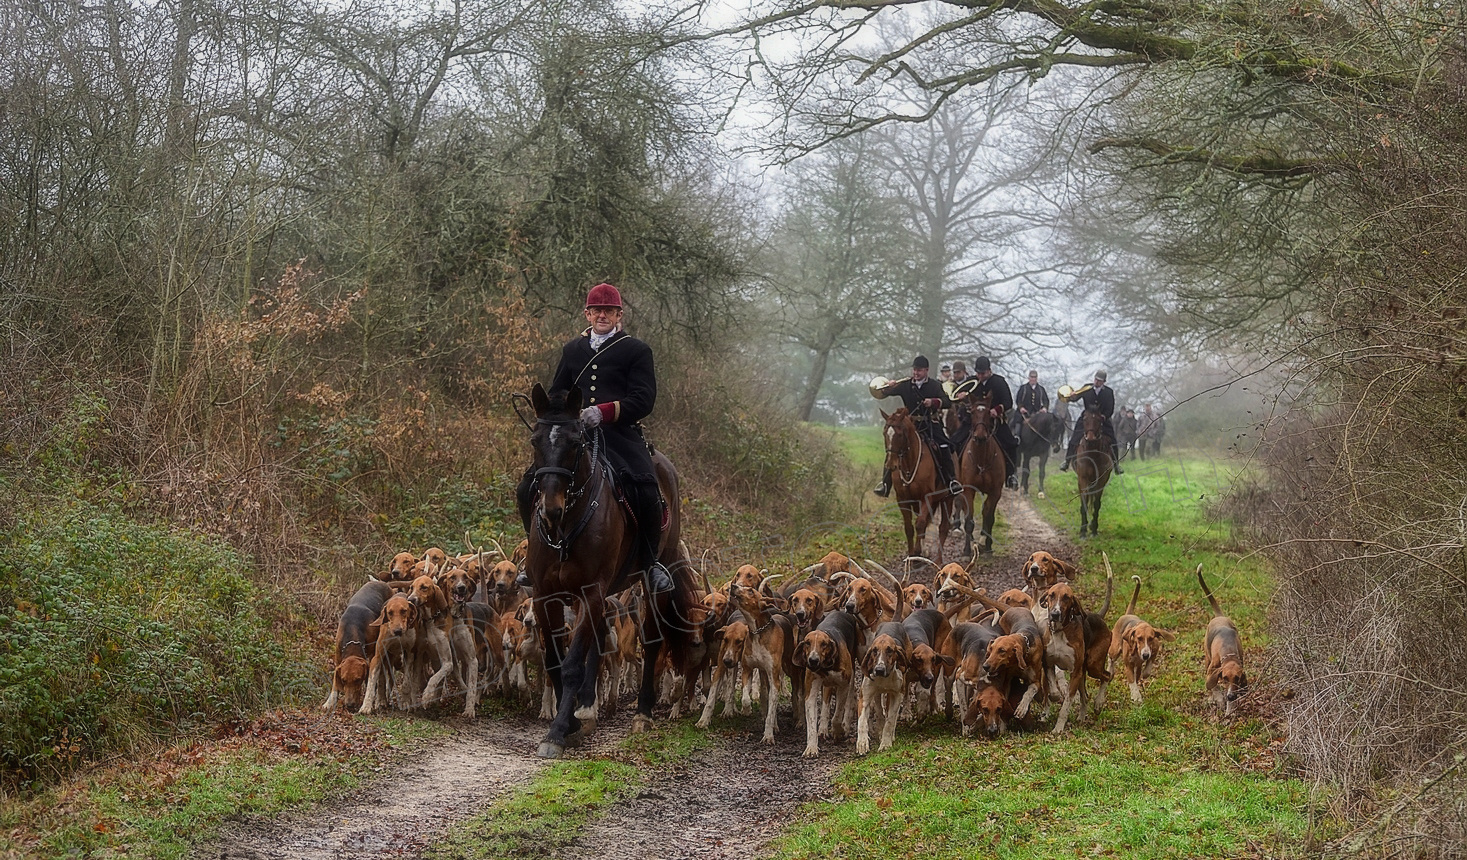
[1099, 397]
[960, 421]
[925, 400]
[1001, 402]
[1032, 398]
[618, 384]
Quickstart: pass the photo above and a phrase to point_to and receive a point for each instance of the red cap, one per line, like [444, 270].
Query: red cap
[603, 296]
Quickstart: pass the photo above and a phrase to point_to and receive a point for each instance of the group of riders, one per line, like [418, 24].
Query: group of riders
[615, 375]
[942, 413]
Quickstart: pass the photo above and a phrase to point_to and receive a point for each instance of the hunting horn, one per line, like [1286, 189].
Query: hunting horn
[1067, 393]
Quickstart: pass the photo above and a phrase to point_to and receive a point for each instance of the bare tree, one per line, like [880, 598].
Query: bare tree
[837, 263]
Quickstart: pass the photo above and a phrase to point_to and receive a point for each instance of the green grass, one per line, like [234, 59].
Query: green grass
[543, 816]
[1164, 779]
[547, 814]
[164, 809]
[862, 445]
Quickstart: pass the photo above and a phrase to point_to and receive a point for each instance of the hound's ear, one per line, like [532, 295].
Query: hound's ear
[869, 661]
[1243, 681]
[440, 599]
[412, 614]
[1023, 663]
[946, 660]
[1129, 636]
[539, 400]
[1069, 570]
[1167, 635]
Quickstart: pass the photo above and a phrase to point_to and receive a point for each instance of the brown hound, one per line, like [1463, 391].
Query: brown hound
[1135, 645]
[1226, 680]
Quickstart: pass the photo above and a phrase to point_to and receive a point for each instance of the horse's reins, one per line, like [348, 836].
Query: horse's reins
[573, 495]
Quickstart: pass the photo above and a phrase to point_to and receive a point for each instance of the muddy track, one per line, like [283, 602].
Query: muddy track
[725, 801]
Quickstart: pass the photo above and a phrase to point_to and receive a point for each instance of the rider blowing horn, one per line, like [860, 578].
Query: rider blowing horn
[618, 383]
[925, 400]
[1100, 397]
[1001, 401]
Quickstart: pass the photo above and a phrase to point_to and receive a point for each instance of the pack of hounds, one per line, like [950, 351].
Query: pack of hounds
[854, 647]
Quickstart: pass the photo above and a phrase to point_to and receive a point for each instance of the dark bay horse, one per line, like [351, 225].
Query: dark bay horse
[919, 491]
[580, 546]
[1093, 466]
[981, 470]
[1040, 435]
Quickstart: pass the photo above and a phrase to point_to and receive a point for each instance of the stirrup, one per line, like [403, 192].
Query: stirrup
[954, 487]
[658, 578]
[883, 490]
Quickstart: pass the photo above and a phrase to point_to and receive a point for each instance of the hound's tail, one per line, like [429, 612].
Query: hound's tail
[1131, 609]
[1216, 610]
[1110, 585]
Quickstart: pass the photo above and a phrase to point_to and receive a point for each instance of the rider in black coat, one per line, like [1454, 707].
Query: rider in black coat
[618, 385]
[1001, 400]
[1100, 397]
[925, 400]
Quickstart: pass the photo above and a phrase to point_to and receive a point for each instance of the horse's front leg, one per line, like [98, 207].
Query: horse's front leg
[597, 627]
[969, 497]
[565, 729]
[912, 548]
[944, 525]
[924, 519]
[990, 510]
[1043, 461]
[1095, 513]
[547, 611]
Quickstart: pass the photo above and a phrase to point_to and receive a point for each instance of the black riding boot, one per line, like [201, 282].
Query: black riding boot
[1115, 457]
[647, 502]
[883, 489]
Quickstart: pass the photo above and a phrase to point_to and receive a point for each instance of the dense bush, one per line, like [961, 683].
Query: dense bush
[113, 632]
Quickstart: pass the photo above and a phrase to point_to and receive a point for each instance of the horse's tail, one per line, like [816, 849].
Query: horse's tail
[1216, 610]
[675, 621]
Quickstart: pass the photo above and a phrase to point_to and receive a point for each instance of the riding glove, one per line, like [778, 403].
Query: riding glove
[591, 416]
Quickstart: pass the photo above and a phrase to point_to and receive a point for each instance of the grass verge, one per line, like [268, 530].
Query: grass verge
[182, 796]
[1166, 778]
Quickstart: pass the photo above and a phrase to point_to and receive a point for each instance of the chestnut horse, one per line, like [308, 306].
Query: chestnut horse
[1092, 467]
[579, 552]
[981, 470]
[919, 490]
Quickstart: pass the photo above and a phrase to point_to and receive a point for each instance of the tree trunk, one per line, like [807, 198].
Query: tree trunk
[817, 371]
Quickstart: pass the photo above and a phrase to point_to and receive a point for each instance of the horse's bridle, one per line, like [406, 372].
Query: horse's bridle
[572, 494]
[921, 445]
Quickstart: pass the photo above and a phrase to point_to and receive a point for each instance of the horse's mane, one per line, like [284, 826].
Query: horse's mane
[557, 402]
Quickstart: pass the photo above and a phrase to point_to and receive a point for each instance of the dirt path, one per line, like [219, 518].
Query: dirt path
[399, 814]
[726, 801]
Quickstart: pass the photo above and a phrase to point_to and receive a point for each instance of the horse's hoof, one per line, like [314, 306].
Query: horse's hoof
[1041, 494]
[641, 724]
[550, 749]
